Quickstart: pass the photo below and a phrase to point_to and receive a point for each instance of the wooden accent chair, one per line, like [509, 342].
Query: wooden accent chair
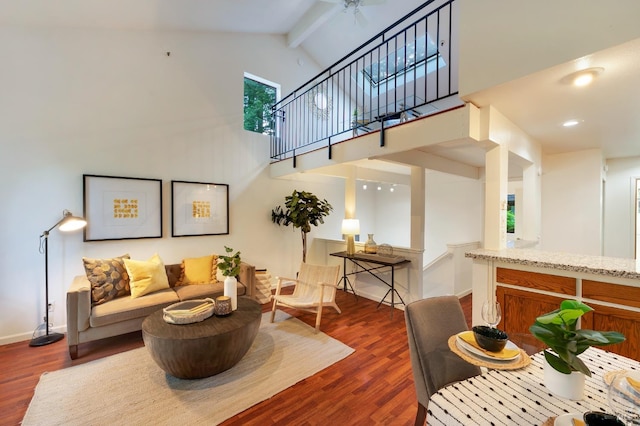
[315, 288]
[430, 322]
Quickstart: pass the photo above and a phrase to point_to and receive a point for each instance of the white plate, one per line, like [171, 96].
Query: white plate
[566, 419]
[475, 351]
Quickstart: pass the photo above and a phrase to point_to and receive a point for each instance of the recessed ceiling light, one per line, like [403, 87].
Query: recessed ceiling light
[570, 123]
[583, 77]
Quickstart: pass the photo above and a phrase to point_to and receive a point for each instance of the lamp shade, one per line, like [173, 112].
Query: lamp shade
[71, 223]
[350, 226]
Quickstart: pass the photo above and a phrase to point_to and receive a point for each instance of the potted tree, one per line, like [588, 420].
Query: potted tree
[229, 265]
[564, 371]
[301, 209]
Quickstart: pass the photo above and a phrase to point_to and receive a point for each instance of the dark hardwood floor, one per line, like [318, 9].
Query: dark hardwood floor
[374, 385]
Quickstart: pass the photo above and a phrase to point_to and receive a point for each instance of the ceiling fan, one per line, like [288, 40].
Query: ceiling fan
[355, 5]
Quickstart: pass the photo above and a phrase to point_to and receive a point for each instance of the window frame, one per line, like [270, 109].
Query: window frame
[264, 82]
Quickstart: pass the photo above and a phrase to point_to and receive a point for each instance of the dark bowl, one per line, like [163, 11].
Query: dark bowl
[596, 418]
[490, 339]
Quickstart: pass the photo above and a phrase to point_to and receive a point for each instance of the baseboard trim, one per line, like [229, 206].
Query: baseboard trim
[21, 337]
[464, 293]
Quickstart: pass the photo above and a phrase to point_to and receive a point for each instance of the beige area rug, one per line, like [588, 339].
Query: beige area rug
[129, 388]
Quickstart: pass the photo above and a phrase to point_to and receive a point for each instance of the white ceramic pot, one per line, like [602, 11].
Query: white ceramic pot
[231, 290]
[570, 386]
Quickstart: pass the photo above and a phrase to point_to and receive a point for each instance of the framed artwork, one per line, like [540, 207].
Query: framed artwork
[120, 208]
[199, 208]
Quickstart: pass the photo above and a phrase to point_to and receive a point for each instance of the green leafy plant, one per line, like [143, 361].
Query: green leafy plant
[301, 209]
[230, 264]
[258, 99]
[558, 330]
[511, 221]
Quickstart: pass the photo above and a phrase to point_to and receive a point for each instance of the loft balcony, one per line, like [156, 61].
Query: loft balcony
[407, 72]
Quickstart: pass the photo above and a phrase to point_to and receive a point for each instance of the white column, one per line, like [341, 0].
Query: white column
[495, 219]
[418, 188]
[350, 193]
[417, 207]
[531, 212]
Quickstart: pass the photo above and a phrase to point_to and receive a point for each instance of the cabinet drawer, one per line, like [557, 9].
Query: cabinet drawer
[536, 280]
[612, 293]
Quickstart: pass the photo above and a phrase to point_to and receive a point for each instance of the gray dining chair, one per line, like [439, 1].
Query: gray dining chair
[430, 322]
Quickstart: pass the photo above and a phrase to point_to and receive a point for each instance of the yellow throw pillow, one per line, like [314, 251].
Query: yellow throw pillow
[146, 276]
[198, 270]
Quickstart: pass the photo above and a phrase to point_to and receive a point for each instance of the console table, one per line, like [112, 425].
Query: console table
[365, 262]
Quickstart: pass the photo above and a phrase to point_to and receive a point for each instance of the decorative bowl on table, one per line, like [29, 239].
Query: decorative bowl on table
[189, 311]
[597, 418]
[490, 339]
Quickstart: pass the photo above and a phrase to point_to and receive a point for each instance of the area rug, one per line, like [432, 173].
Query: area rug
[129, 388]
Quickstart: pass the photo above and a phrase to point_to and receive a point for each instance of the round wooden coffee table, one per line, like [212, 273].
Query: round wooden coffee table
[202, 349]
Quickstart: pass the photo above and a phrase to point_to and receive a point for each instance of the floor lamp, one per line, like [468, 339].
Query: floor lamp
[66, 224]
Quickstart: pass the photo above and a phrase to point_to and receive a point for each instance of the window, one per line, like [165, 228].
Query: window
[259, 96]
[511, 213]
[409, 56]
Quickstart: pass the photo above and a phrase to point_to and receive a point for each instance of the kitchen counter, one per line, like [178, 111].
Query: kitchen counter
[529, 282]
[599, 265]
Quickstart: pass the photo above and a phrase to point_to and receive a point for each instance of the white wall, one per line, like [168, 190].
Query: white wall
[502, 38]
[454, 212]
[619, 206]
[572, 202]
[383, 213]
[112, 102]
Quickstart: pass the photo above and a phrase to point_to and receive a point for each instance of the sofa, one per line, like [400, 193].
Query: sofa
[88, 321]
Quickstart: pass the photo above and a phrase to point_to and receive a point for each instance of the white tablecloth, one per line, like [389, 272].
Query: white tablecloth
[519, 397]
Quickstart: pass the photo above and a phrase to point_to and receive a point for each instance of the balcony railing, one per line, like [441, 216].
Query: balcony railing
[397, 76]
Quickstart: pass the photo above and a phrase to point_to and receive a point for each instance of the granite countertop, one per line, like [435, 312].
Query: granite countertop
[610, 266]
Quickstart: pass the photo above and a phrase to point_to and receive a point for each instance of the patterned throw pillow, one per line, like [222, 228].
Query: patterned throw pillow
[108, 278]
[199, 270]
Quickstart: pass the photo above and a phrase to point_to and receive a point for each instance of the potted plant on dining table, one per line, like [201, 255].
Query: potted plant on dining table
[564, 371]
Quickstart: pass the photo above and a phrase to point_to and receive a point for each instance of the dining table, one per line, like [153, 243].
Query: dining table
[518, 396]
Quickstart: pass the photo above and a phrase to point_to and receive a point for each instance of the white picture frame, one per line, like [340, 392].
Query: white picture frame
[199, 208]
[120, 208]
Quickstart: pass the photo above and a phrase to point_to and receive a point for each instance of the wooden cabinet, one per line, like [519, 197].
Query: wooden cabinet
[520, 308]
[616, 319]
[623, 320]
[521, 305]
[537, 281]
[613, 293]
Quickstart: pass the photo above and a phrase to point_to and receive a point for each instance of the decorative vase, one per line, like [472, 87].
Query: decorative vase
[370, 246]
[231, 290]
[385, 250]
[570, 386]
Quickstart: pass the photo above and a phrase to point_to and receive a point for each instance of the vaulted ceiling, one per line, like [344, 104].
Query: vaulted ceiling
[326, 32]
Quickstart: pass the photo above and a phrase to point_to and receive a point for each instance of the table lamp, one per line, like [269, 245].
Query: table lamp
[350, 227]
[66, 224]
